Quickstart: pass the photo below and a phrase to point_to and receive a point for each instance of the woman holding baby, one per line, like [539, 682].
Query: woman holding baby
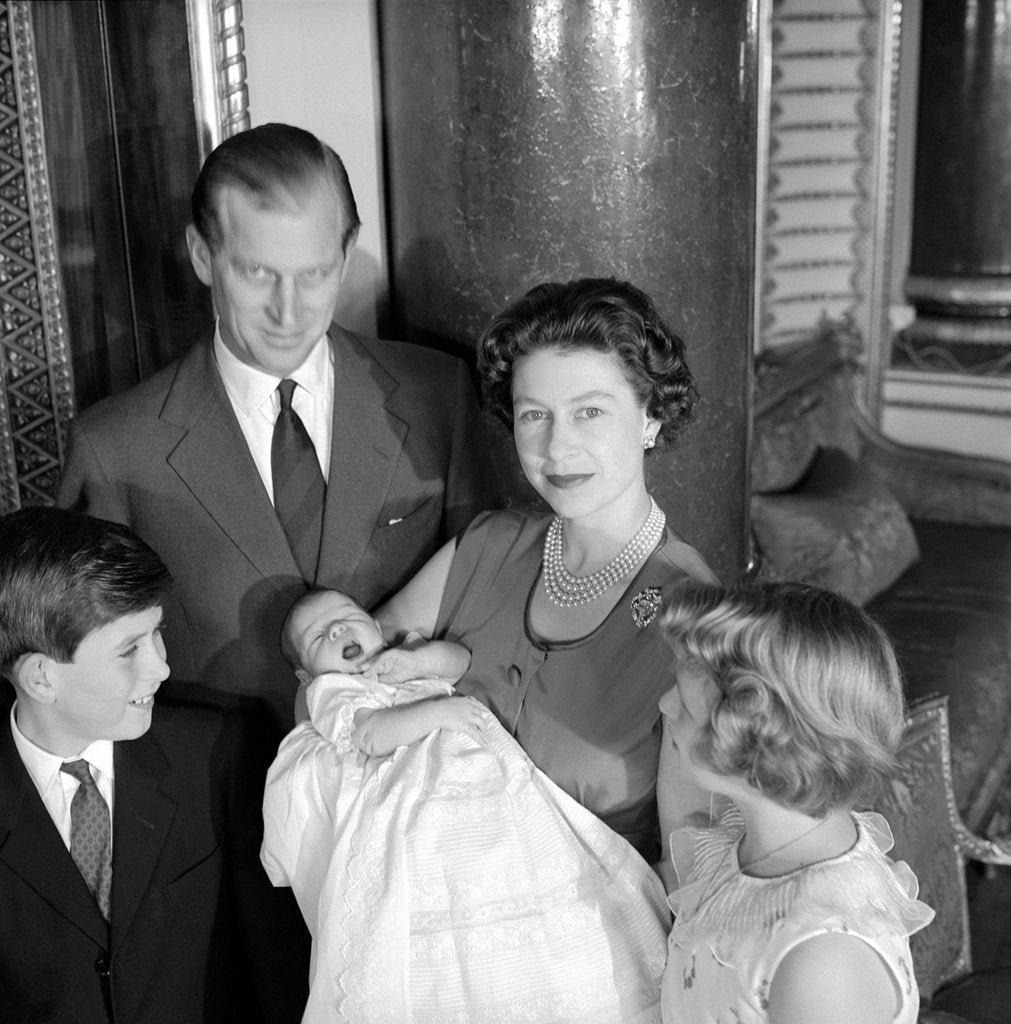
[559, 611]
[504, 890]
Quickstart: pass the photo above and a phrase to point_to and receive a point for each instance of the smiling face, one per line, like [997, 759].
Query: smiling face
[106, 692]
[688, 705]
[275, 276]
[330, 633]
[579, 431]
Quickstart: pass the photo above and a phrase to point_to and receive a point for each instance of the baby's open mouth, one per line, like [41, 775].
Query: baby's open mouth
[351, 651]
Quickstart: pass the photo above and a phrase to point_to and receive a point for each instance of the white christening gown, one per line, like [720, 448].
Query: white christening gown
[451, 882]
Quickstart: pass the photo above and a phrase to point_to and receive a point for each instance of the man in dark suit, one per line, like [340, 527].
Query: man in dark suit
[190, 459]
[128, 835]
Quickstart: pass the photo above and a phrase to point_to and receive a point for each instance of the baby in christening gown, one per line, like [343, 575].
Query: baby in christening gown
[442, 876]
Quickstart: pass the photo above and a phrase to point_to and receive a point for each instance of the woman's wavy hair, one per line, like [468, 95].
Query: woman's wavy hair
[810, 711]
[601, 314]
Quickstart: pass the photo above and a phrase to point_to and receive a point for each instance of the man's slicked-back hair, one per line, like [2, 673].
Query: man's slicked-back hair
[64, 574]
[274, 165]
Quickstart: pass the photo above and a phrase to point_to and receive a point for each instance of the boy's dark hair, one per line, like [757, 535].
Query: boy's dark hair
[64, 574]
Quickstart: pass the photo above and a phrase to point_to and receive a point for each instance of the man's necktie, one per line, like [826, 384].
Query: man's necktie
[299, 488]
[91, 834]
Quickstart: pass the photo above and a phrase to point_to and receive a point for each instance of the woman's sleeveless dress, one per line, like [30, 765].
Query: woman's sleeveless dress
[585, 711]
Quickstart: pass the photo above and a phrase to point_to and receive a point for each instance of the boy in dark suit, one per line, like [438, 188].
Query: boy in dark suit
[125, 831]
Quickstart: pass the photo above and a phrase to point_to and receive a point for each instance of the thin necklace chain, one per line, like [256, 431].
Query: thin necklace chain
[779, 849]
[714, 885]
[569, 591]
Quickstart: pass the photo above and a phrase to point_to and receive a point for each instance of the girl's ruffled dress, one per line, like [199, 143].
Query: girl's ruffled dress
[452, 881]
[732, 930]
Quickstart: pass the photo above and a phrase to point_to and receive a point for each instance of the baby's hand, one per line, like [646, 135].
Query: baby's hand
[462, 714]
[395, 665]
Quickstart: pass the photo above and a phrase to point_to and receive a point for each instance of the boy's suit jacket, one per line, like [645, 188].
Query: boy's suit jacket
[183, 822]
[168, 458]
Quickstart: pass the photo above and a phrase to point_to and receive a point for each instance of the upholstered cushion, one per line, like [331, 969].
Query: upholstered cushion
[801, 403]
[840, 528]
[914, 801]
[950, 618]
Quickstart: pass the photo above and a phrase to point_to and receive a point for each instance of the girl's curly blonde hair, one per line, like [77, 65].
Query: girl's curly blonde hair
[810, 711]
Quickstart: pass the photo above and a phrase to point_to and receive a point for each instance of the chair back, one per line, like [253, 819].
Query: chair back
[920, 808]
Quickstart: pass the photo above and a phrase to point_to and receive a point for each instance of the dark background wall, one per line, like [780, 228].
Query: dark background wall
[546, 141]
[122, 148]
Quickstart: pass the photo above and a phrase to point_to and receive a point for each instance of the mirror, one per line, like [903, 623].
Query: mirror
[109, 111]
[824, 220]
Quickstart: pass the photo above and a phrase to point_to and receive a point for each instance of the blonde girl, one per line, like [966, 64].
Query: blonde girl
[788, 702]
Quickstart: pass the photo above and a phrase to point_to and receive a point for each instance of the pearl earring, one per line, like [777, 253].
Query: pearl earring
[648, 442]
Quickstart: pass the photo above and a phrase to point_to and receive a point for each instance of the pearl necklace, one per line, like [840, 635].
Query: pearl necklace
[569, 591]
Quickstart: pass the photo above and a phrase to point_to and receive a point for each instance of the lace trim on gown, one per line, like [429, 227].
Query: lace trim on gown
[372, 877]
[449, 915]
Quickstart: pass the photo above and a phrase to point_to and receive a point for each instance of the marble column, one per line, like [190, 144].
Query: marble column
[533, 140]
[960, 266]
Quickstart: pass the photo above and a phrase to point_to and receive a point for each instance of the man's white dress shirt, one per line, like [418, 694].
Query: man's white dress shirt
[254, 398]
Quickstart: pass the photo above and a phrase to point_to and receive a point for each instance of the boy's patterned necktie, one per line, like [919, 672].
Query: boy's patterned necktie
[299, 488]
[91, 834]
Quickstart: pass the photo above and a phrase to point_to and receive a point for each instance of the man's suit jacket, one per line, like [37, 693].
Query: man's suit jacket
[172, 952]
[168, 458]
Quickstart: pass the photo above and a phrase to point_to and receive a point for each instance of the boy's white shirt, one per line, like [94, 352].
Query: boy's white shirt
[55, 786]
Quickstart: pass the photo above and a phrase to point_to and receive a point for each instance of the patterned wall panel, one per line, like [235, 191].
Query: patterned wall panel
[830, 153]
[37, 396]
[36, 399]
